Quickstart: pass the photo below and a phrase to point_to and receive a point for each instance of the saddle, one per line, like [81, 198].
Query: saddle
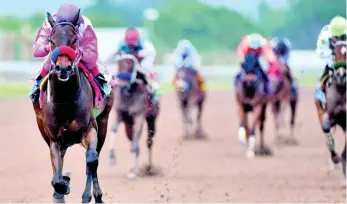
[98, 99]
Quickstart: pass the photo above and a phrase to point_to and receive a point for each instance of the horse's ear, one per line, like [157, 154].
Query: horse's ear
[76, 18]
[50, 19]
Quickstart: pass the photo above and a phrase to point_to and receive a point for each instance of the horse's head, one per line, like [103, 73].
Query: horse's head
[249, 84]
[250, 63]
[340, 62]
[127, 67]
[64, 33]
[184, 79]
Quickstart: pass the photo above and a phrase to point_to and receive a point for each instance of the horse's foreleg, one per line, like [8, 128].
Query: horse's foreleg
[293, 104]
[343, 161]
[199, 130]
[112, 151]
[135, 147]
[59, 182]
[251, 139]
[187, 122]
[276, 112]
[262, 118]
[243, 129]
[326, 126]
[90, 143]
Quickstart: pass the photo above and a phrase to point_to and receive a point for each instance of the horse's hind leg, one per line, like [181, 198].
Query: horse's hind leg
[90, 143]
[59, 182]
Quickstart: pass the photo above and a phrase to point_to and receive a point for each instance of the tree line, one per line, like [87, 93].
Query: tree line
[208, 27]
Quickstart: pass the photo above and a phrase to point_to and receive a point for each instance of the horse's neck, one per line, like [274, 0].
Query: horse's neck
[341, 89]
[65, 92]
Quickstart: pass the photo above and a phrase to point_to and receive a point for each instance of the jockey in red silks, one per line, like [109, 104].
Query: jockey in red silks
[259, 45]
[88, 45]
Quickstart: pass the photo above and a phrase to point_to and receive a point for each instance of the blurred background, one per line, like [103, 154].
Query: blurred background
[215, 27]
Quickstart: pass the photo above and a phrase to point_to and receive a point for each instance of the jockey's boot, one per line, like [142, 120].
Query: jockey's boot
[105, 87]
[155, 92]
[266, 81]
[201, 81]
[320, 89]
[35, 91]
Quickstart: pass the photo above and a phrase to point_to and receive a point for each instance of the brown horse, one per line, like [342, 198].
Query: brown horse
[334, 111]
[133, 107]
[190, 94]
[251, 98]
[67, 117]
[281, 94]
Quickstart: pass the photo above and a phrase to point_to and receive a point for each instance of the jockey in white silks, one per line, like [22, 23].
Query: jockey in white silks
[335, 30]
[186, 55]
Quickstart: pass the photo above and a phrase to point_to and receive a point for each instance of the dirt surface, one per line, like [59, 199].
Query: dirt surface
[211, 170]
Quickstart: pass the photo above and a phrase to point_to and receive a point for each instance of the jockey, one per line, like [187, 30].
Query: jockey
[145, 53]
[87, 45]
[282, 48]
[256, 43]
[186, 55]
[335, 30]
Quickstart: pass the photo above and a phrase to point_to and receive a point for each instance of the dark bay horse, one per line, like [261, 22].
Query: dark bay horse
[334, 111]
[133, 107]
[190, 94]
[251, 98]
[67, 118]
[281, 94]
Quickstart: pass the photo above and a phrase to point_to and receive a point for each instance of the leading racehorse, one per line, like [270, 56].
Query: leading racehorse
[190, 93]
[251, 98]
[334, 111]
[133, 107]
[281, 93]
[68, 117]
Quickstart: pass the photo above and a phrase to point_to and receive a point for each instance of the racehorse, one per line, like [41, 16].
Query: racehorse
[66, 115]
[133, 107]
[281, 93]
[251, 98]
[189, 94]
[334, 111]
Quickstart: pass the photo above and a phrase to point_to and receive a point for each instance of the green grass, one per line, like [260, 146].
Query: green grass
[21, 89]
[14, 89]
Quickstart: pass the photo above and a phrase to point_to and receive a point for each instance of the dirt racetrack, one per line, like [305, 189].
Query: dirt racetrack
[210, 170]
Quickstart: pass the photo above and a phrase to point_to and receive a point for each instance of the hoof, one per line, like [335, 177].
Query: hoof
[199, 134]
[263, 151]
[61, 187]
[326, 127]
[98, 198]
[58, 198]
[131, 175]
[86, 197]
[242, 136]
[250, 154]
[336, 160]
[92, 157]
